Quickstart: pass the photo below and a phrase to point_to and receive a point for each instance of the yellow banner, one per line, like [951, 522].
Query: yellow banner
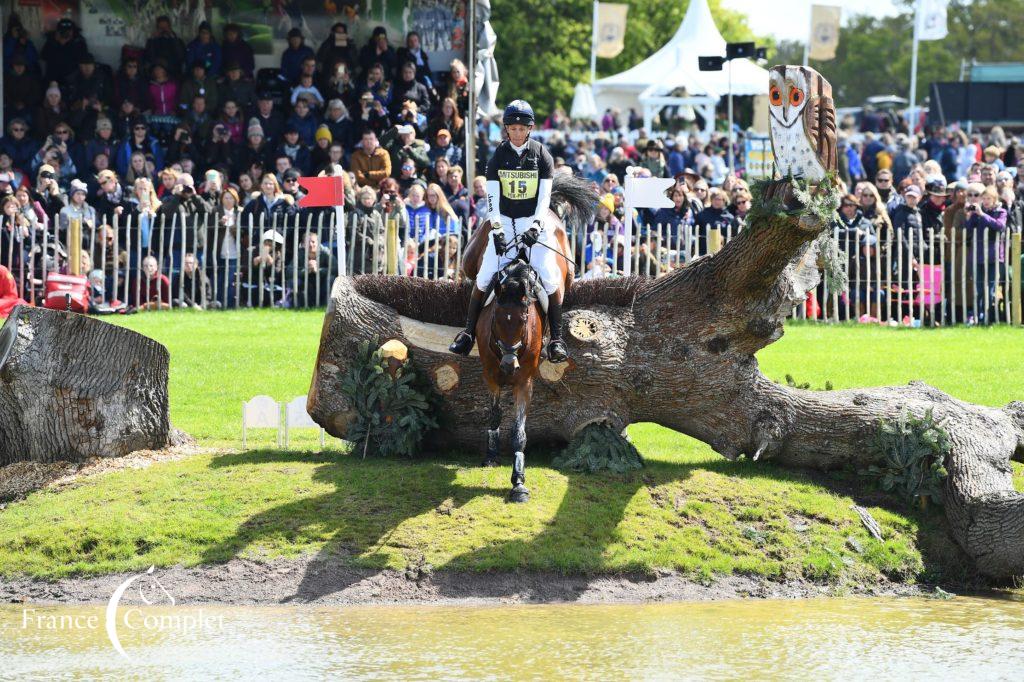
[611, 29]
[824, 31]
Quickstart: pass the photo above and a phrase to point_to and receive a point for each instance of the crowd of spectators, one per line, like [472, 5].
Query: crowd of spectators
[185, 130]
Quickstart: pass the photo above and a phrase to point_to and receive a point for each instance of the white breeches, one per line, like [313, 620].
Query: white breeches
[543, 260]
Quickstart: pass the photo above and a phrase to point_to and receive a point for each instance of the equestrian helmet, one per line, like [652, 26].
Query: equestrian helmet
[518, 111]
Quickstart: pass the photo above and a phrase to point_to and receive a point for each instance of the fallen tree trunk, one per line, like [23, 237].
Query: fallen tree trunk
[73, 387]
[679, 351]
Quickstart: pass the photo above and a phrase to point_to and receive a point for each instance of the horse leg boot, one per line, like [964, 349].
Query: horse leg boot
[557, 350]
[463, 343]
[494, 432]
[520, 493]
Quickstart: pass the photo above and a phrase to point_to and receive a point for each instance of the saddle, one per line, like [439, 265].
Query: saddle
[536, 286]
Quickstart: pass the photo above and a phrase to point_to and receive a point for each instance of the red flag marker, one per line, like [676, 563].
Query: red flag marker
[325, 191]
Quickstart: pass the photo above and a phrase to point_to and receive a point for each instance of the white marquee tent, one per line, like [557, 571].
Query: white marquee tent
[651, 83]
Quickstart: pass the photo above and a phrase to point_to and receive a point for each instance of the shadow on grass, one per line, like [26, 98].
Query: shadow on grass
[373, 498]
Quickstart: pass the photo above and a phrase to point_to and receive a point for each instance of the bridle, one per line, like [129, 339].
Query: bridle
[501, 349]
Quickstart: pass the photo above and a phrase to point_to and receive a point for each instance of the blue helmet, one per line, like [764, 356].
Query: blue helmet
[518, 111]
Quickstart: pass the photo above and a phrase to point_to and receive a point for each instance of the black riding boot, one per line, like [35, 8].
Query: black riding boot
[557, 350]
[463, 343]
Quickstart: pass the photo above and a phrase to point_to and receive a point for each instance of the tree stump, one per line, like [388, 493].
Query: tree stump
[679, 351]
[73, 387]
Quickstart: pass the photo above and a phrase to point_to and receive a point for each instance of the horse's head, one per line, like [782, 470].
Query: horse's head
[514, 298]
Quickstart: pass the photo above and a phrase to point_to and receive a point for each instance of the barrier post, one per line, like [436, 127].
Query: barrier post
[714, 240]
[75, 246]
[391, 247]
[1016, 265]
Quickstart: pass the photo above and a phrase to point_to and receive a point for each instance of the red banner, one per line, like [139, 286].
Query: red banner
[325, 191]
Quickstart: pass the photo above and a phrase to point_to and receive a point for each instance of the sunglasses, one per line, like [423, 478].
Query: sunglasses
[883, 180]
[63, 132]
[139, 128]
[19, 130]
[974, 194]
[847, 204]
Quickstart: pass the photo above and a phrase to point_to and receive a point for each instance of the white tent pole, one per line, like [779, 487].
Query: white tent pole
[593, 48]
[913, 70]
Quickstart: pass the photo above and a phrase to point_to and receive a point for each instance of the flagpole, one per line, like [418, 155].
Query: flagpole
[810, 28]
[593, 47]
[471, 117]
[912, 118]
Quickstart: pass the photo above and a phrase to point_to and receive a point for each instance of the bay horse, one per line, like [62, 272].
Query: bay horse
[510, 331]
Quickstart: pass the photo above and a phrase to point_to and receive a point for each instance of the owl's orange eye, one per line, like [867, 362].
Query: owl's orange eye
[775, 95]
[796, 96]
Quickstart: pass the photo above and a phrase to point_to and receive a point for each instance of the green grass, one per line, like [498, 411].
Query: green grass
[688, 509]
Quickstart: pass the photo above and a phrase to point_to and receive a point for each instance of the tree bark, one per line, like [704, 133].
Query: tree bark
[679, 351]
[73, 387]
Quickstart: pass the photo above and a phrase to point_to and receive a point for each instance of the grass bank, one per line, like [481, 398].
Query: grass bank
[688, 510]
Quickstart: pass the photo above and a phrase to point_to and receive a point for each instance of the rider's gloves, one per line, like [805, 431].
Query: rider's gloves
[531, 236]
[500, 245]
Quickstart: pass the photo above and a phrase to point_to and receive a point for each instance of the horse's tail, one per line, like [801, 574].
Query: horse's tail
[574, 199]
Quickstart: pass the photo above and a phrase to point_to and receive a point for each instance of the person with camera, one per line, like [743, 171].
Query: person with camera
[372, 115]
[393, 206]
[221, 150]
[18, 145]
[377, 51]
[165, 46]
[986, 225]
[409, 88]
[401, 143]
[47, 192]
[56, 153]
[182, 145]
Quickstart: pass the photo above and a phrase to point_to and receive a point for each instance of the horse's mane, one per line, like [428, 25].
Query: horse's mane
[445, 302]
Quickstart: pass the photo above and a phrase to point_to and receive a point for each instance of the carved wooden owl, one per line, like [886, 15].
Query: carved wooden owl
[803, 122]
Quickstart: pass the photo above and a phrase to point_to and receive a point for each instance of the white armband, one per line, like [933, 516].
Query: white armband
[493, 196]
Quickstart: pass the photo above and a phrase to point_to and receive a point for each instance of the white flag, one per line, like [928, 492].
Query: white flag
[648, 192]
[824, 31]
[931, 20]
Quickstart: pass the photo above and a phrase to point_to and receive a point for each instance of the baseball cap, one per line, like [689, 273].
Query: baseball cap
[443, 132]
[406, 130]
[290, 174]
[914, 190]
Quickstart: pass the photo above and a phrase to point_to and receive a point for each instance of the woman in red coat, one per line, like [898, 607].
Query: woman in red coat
[8, 293]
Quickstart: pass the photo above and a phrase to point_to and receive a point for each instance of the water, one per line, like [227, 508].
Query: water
[824, 639]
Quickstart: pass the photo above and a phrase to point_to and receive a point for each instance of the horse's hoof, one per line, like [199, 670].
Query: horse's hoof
[519, 494]
[490, 462]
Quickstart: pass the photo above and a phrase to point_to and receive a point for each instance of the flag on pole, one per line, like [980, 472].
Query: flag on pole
[824, 38]
[322, 191]
[486, 67]
[611, 29]
[642, 193]
[931, 20]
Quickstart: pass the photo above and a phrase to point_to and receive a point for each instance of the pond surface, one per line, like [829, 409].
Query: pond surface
[856, 638]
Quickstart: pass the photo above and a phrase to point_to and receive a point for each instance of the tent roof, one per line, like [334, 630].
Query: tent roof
[675, 64]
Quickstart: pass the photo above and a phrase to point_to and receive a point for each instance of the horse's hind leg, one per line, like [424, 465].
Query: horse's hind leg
[494, 431]
[520, 493]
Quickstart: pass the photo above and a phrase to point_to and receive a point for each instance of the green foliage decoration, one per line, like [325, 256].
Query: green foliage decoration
[598, 447]
[913, 453]
[392, 415]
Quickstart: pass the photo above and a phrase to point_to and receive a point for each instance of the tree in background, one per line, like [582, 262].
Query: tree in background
[543, 47]
[874, 54]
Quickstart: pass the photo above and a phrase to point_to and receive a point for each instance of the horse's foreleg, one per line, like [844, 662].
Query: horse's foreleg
[494, 431]
[520, 493]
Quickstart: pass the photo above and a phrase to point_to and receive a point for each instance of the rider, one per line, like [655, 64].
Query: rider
[519, 179]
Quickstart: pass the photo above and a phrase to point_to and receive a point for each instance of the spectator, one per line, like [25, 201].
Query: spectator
[204, 50]
[293, 56]
[47, 193]
[18, 46]
[139, 141]
[203, 83]
[144, 205]
[376, 84]
[367, 255]
[163, 94]
[402, 144]
[52, 111]
[372, 116]
[63, 48]
[15, 234]
[22, 91]
[304, 121]
[443, 147]
[9, 296]
[236, 86]
[18, 145]
[377, 51]
[992, 156]
[221, 151]
[337, 48]
[339, 123]
[270, 119]
[182, 145]
[313, 263]
[715, 216]
[674, 222]
[414, 52]
[292, 148]
[165, 47]
[191, 288]
[184, 201]
[307, 91]
[270, 206]
[268, 267]
[986, 224]
[370, 163]
[103, 141]
[408, 89]
[235, 50]
[153, 292]
[77, 208]
[856, 238]
[231, 119]
[441, 219]
[457, 88]
[130, 85]
[110, 200]
[448, 118]
[654, 160]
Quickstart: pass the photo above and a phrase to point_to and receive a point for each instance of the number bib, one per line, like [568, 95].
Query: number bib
[518, 185]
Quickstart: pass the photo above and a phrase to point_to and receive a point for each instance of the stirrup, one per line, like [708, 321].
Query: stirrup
[463, 343]
[557, 351]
